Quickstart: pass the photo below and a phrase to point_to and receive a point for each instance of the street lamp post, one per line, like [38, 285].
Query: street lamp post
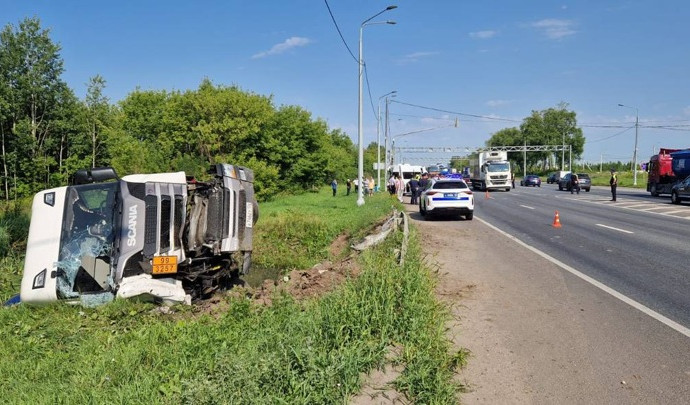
[637, 125]
[378, 136]
[360, 135]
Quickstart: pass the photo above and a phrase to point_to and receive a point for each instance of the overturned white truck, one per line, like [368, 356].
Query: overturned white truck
[165, 235]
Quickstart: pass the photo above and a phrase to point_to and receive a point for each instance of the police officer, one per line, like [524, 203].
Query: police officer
[614, 183]
[423, 182]
[574, 183]
[414, 189]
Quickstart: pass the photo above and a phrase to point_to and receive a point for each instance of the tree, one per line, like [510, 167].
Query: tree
[553, 126]
[97, 115]
[30, 69]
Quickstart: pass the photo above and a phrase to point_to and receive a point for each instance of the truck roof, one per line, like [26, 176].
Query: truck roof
[684, 153]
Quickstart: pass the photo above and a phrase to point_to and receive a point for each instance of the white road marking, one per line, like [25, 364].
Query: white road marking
[673, 212]
[653, 208]
[634, 205]
[646, 310]
[527, 206]
[623, 204]
[615, 229]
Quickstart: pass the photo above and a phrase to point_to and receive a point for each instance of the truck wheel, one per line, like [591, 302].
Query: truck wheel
[483, 186]
[674, 197]
[652, 190]
[507, 188]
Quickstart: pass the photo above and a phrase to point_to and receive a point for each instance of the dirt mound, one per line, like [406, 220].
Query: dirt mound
[304, 284]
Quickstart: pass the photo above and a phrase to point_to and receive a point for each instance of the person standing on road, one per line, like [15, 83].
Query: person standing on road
[414, 189]
[512, 178]
[614, 184]
[334, 186]
[574, 183]
[349, 186]
[423, 183]
[371, 186]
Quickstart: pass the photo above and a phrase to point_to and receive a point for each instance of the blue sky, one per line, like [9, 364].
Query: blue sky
[499, 59]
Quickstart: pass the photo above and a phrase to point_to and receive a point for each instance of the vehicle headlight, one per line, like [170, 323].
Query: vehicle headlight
[40, 280]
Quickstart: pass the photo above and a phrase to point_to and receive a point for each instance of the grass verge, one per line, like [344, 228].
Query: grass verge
[292, 352]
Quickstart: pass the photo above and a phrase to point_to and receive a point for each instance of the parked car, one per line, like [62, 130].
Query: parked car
[565, 182]
[531, 180]
[681, 191]
[447, 196]
[585, 181]
[551, 178]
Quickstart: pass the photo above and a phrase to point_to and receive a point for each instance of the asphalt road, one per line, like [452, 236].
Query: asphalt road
[567, 315]
[638, 246]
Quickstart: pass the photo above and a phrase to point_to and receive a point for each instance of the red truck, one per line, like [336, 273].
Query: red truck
[661, 176]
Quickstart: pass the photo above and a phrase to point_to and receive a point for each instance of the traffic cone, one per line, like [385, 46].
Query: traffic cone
[486, 195]
[557, 221]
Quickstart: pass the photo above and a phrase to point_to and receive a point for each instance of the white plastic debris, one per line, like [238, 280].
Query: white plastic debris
[164, 290]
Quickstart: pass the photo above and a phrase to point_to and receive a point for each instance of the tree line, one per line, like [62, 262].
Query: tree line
[552, 126]
[47, 132]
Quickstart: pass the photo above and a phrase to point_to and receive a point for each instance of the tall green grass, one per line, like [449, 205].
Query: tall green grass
[292, 352]
[14, 229]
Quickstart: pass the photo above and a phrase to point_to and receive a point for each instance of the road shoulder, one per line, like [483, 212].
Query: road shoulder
[538, 334]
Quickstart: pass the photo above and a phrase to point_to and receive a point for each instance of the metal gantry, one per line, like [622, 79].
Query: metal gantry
[467, 149]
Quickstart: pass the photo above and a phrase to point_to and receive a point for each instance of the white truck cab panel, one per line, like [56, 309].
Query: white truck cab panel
[43, 246]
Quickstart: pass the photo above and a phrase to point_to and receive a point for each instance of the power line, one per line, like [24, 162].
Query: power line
[614, 135]
[340, 33]
[371, 101]
[455, 112]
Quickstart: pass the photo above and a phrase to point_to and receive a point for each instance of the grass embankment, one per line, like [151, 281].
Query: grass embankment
[292, 352]
[625, 179]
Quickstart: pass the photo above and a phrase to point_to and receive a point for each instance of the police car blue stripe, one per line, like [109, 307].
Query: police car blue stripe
[450, 198]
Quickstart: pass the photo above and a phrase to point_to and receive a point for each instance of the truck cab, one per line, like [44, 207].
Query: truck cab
[87, 239]
[661, 177]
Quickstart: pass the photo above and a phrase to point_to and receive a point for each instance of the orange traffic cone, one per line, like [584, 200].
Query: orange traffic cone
[557, 221]
[486, 195]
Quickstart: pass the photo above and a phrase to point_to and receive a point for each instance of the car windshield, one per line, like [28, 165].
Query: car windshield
[87, 238]
[446, 185]
[498, 167]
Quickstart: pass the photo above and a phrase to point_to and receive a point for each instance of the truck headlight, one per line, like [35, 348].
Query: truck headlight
[40, 280]
[49, 198]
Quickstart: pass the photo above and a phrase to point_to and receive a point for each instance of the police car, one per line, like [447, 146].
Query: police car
[447, 196]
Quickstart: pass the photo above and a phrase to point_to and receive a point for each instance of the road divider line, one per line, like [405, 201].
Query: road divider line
[527, 206]
[615, 229]
[642, 308]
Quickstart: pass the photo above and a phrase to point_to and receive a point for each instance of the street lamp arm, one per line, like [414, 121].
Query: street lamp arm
[378, 14]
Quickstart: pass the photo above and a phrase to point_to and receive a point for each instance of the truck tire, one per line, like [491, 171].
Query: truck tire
[483, 186]
[653, 190]
[507, 188]
[674, 198]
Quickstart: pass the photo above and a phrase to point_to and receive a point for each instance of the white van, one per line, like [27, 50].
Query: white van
[407, 172]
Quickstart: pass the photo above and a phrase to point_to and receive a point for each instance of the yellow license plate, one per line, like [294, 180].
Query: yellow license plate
[164, 265]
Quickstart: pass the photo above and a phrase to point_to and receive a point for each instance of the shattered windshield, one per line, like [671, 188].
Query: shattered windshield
[87, 239]
[498, 167]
